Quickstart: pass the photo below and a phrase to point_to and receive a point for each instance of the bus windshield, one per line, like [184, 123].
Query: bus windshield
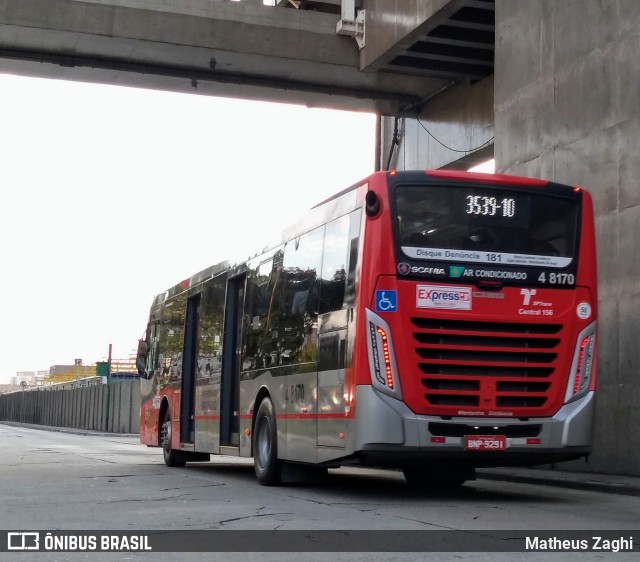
[486, 224]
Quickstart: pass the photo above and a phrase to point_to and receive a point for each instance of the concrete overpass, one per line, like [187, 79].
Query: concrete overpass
[328, 53]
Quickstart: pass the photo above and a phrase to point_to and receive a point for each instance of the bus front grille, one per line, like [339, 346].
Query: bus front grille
[487, 365]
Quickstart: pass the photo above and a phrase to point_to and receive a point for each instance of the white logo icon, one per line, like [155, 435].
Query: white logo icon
[23, 541]
[527, 294]
[384, 303]
[583, 310]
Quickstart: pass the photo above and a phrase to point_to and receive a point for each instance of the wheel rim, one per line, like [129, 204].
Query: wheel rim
[264, 443]
[165, 433]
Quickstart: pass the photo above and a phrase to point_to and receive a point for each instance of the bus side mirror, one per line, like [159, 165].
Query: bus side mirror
[372, 204]
[141, 358]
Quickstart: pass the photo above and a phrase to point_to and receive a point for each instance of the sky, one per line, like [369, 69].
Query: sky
[111, 195]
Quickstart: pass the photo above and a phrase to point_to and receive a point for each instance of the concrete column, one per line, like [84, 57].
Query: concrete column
[60, 408]
[90, 406]
[113, 401]
[87, 407]
[66, 414]
[82, 392]
[125, 407]
[104, 413]
[97, 407]
[566, 109]
[78, 406]
[73, 407]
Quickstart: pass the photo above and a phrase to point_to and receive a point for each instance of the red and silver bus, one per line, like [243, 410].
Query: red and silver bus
[431, 321]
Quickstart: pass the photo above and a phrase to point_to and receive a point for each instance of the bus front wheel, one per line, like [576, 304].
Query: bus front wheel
[265, 446]
[172, 458]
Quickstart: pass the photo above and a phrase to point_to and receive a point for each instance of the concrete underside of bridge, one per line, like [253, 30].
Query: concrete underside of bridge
[562, 105]
[222, 48]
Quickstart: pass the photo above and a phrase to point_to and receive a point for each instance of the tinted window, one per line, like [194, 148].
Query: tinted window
[211, 327]
[261, 349]
[171, 338]
[299, 297]
[334, 265]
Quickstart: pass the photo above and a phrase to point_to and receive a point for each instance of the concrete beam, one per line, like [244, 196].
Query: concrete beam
[233, 49]
[392, 27]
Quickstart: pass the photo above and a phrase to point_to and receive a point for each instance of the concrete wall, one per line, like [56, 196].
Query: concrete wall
[81, 408]
[460, 118]
[567, 81]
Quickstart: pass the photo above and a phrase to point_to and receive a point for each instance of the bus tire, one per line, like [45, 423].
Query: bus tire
[265, 446]
[172, 458]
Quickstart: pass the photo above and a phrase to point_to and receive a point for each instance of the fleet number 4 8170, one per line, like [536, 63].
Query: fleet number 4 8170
[557, 278]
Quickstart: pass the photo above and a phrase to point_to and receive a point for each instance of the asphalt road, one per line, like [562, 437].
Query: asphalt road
[55, 480]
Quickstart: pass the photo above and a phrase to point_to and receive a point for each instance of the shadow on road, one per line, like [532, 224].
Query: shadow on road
[354, 484]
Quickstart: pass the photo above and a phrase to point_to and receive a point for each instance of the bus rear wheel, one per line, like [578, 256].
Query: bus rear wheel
[172, 458]
[265, 446]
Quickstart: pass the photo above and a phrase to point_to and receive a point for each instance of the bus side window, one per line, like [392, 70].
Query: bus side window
[152, 360]
[211, 328]
[334, 265]
[299, 298]
[258, 352]
[171, 338]
[355, 219]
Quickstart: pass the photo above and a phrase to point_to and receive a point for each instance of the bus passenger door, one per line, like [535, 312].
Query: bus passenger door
[231, 350]
[332, 355]
[337, 286]
[189, 367]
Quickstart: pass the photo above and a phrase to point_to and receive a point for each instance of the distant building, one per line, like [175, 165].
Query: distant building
[62, 373]
[24, 378]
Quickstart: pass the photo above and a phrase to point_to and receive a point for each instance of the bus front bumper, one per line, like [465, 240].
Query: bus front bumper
[389, 433]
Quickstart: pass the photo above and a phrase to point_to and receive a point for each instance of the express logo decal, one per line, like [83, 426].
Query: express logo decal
[434, 296]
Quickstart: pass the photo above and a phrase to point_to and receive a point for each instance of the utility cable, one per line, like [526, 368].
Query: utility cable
[453, 149]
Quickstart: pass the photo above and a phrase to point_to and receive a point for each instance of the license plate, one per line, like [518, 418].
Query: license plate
[485, 442]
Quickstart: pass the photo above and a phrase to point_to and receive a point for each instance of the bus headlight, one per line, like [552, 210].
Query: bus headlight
[382, 360]
[582, 367]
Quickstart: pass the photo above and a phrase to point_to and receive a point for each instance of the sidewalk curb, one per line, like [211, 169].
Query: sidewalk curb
[72, 430]
[571, 481]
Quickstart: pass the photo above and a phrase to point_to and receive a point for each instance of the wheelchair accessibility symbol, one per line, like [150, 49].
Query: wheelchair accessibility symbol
[386, 301]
